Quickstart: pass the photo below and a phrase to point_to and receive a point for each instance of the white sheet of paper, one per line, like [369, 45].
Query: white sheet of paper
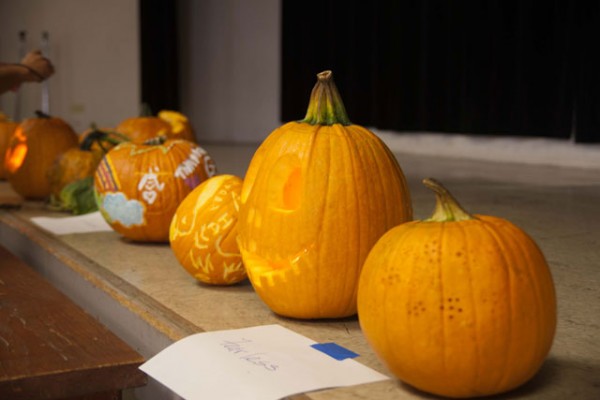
[91, 222]
[263, 362]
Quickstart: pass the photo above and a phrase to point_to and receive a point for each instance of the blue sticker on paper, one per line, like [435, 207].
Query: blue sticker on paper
[334, 350]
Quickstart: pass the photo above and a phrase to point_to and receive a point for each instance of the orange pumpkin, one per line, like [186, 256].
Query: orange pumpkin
[203, 232]
[171, 124]
[140, 129]
[7, 128]
[32, 149]
[317, 195]
[139, 186]
[458, 305]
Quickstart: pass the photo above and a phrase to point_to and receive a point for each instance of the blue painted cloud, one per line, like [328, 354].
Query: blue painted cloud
[119, 209]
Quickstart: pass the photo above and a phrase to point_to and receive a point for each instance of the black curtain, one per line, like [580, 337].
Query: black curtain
[509, 67]
[159, 56]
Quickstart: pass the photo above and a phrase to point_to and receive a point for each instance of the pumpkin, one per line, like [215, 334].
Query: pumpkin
[171, 124]
[203, 233]
[317, 195]
[458, 305]
[32, 149]
[181, 128]
[80, 162]
[140, 129]
[139, 186]
[7, 128]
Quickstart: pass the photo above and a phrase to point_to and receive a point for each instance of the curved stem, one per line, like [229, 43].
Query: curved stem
[326, 106]
[446, 207]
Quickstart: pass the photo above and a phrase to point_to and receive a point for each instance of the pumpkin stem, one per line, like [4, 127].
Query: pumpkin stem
[157, 140]
[325, 106]
[41, 114]
[146, 110]
[446, 207]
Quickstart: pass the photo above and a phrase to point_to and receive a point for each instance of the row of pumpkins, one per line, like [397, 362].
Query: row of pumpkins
[458, 305]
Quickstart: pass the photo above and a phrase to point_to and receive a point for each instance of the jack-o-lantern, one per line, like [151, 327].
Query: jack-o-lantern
[317, 195]
[203, 232]
[33, 148]
[139, 186]
[7, 128]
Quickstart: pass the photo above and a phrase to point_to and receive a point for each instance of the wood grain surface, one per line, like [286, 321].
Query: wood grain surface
[50, 348]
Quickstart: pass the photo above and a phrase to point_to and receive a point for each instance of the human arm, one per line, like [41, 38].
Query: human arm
[34, 67]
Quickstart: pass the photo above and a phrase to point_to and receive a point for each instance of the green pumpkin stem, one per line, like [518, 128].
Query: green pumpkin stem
[446, 207]
[325, 106]
[146, 110]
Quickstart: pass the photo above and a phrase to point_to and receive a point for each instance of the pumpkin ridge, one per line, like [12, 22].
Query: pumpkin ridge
[491, 230]
[523, 243]
[469, 267]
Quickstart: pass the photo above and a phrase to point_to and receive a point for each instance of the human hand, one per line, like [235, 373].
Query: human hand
[40, 68]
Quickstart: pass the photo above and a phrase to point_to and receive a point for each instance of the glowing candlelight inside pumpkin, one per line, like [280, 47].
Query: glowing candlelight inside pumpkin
[16, 155]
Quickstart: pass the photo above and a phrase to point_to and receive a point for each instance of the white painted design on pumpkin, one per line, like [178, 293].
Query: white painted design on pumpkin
[149, 185]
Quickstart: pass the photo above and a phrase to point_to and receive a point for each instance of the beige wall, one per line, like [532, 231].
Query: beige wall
[94, 46]
[230, 68]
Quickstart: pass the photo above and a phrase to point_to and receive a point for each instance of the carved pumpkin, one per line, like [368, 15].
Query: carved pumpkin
[32, 149]
[203, 232]
[7, 128]
[140, 186]
[458, 305]
[317, 195]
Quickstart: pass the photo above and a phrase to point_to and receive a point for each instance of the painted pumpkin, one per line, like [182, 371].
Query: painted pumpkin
[458, 305]
[317, 195]
[203, 232]
[7, 128]
[32, 149]
[139, 186]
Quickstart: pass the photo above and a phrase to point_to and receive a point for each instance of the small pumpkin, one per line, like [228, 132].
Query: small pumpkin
[317, 195]
[139, 186]
[458, 305]
[32, 149]
[181, 128]
[203, 233]
[7, 128]
[171, 124]
[80, 162]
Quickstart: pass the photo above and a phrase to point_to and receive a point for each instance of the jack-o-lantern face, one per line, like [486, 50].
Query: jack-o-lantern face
[316, 197]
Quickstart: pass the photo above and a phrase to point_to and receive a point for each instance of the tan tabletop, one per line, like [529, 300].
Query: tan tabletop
[142, 294]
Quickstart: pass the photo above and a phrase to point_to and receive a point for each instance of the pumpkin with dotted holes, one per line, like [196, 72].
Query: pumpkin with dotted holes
[458, 305]
[203, 234]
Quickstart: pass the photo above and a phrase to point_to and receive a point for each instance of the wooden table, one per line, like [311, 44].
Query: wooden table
[50, 348]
